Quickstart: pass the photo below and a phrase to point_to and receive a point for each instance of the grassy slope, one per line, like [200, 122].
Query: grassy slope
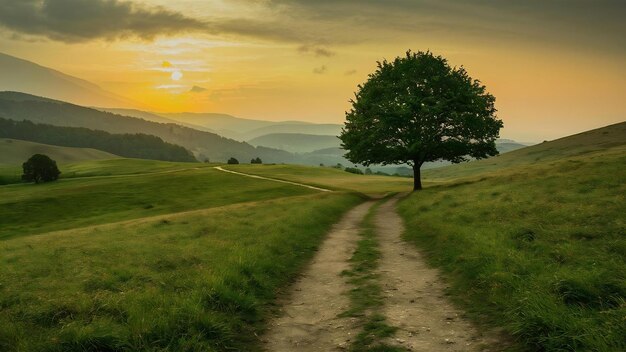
[197, 281]
[151, 256]
[28, 208]
[329, 177]
[580, 144]
[15, 152]
[539, 248]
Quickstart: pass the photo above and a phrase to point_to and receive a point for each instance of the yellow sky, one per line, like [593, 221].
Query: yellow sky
[289, 60]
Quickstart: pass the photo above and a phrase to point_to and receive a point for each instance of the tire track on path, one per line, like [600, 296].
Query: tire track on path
[414, 295]
[309, 316]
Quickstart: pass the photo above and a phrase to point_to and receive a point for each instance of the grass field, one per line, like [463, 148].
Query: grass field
[330, 178]
[597, 140]
[69, 203]
[537, 249]
[15, 152]
[179, 257]
[10, 174]
[197, 281]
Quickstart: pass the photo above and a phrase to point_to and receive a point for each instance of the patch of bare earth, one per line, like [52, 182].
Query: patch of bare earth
[309, 316]
[414, 295]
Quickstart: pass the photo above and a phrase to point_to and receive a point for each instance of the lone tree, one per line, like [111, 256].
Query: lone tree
[232, 161]
[416, 109]
[40, 168]
[256, 160]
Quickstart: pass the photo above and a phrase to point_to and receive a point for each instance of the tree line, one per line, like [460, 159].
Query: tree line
[138, 145]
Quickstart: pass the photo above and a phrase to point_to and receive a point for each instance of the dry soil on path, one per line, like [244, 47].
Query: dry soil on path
[414, 295]
[309, 319]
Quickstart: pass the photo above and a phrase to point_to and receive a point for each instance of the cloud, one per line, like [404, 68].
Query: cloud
[166, 64]
[83, 20]
[350, 72]
[320, 70]
[197, 89]
[315, 50]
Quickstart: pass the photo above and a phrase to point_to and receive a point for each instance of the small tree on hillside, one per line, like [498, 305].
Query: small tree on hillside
[233, 161]
[256, 160]
[40, 168]
[417, 109]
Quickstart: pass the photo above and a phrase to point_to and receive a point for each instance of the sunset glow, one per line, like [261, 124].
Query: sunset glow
[554, 71]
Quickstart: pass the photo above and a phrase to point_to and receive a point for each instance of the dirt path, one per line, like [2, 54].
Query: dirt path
[273, 179]
[308, 320]
[414, 295]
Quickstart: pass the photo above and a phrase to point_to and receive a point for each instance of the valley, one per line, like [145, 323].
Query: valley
[131, 254]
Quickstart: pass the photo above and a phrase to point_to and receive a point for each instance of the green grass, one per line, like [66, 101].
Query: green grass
[10, 174]
[15, 152]
[195, 281]
[330, 178]
[537, 249]
[30, 209]
[366, 296]
[589, 142]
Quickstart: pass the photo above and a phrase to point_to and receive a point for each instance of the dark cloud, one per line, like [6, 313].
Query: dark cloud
[320, 70]
[83, 20]
[316, 50]
[197, 89]
[350, 72]
[584, 24]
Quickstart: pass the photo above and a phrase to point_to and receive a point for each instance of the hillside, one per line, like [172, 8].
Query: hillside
[15, 152]
[184, 260]
[154, 117]
[25, 76]
[578, 144]
[534, 245]
[138, 145]
[19, 106]
[296, 142]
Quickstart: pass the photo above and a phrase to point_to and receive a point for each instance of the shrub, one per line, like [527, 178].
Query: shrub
[353, 170]
[233, 161]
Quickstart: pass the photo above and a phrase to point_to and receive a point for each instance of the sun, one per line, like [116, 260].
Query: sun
[177, 75]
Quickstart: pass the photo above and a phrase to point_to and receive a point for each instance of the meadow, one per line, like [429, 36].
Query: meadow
[70, 203]
[138, 255]
[172, 260]
[331, 178]
[538, 249]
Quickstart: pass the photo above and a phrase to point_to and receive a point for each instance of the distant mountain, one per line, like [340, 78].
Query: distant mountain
[19, 106]
[25, 76]
[139, 145]
[300, 128]
[15, 152]
[296, 142]
[247, 129]
[154, 117]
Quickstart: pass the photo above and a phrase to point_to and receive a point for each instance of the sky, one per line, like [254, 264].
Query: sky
[556, 67]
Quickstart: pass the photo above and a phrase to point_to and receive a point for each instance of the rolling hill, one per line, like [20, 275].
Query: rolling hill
[20, 106]
[296, 142]
[25, 76]
[15, 152]
[247, 129]
[579, 144]
[138, 145]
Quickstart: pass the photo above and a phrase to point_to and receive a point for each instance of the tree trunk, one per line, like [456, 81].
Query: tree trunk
[417, 177]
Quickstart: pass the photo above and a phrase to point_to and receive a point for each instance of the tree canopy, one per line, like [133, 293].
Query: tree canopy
[416, 109]
[40, 168]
